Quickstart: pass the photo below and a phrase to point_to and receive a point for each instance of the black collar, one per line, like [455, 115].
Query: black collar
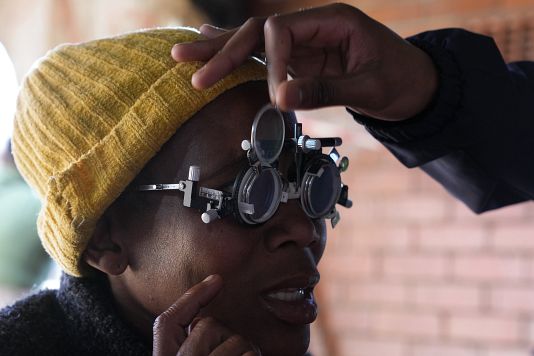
[91, 313]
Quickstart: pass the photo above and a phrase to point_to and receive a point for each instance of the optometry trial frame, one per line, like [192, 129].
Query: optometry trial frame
[257, 191]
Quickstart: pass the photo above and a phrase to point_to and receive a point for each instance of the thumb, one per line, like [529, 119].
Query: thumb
[312, 93]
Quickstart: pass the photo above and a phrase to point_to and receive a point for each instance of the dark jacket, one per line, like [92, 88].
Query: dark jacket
[477, 137]
[77, 319]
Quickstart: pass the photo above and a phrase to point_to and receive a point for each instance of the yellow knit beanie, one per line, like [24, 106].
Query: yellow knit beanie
[91, 115]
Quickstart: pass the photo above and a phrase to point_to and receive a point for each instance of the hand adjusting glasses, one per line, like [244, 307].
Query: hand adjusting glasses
[257, 191]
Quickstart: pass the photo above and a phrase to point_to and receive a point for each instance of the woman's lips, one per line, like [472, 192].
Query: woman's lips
[294, 306]
[292, 299]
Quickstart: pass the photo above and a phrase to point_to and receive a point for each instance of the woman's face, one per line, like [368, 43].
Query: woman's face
[170, 249]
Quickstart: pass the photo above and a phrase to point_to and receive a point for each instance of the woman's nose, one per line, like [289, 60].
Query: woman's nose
[290, 225]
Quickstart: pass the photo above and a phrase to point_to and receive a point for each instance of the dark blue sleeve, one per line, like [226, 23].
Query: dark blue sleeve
[477, 137]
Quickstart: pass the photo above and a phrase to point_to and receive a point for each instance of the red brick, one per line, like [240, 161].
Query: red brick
[404, 323]
[363, 346]
[509, 213]
[512, 299]
[317, 343]
[373, 182]
[382, 238]
[513, 237]
[449, 297]
[444, 350]
[377, 293]
[427, 185]
[332, 291]
[415, 208]
[341, 239]
[439, 8]
[394, 11]
[510, 351]
[485, 329]
[517, 3]
[530, 331]
[490, 268]
[348, 267]
[346, 319]
[365, 211]
[399, 209]
[452, 237]
[529, 209]
[415, 266]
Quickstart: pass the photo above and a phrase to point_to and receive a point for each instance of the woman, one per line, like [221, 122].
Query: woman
[97, 124]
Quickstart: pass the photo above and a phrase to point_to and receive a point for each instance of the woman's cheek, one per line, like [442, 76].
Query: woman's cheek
[229, 250]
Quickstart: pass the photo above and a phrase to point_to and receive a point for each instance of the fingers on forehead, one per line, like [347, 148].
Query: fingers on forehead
[228, 52]
[200, 50]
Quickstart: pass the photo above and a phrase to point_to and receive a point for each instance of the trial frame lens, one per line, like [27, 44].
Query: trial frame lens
[250, 194]
[268, 134]
[321, 188]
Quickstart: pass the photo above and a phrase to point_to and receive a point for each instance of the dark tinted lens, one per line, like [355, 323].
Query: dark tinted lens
[262, 194]
[269, 135]
[324, 190]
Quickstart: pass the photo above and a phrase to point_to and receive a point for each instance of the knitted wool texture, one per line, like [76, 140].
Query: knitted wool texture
[91, 115]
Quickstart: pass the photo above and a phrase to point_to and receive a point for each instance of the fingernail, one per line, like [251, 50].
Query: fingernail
[195, 80]
[210, 278]
[213, 279]
[174, 51]
[192, 325]
[195, 322]
[206, 27]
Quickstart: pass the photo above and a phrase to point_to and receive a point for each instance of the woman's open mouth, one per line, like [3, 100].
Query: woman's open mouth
[292, 300]
[288, 295]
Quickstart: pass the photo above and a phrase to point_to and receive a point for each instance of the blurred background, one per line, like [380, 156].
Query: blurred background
[408, 271]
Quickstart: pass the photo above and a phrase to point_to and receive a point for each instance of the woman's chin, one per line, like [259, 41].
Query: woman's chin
[293, 341]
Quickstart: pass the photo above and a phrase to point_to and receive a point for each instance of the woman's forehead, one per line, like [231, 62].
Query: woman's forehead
[212, 138]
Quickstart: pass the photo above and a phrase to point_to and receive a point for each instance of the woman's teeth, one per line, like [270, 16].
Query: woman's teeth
[288, 295]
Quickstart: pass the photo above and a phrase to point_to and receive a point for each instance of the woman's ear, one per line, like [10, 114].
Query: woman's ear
[105, 252]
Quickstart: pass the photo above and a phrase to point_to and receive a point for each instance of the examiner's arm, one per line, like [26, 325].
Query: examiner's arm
[477, 136]
[444, 100]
